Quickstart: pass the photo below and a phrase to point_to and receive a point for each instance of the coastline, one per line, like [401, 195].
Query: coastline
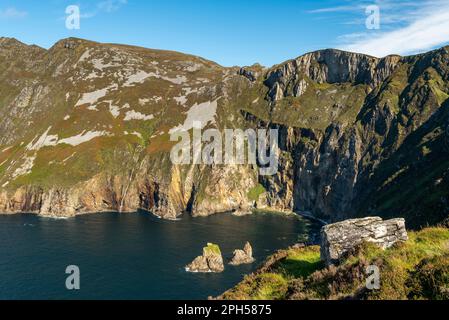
[153, 252]
[237, 213]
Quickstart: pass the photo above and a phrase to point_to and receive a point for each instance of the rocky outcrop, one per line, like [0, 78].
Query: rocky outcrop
[342, 168]
[340, 238]
[210, 261]
[218, 193]
[328, 66]
[249, 74]
[244, 256]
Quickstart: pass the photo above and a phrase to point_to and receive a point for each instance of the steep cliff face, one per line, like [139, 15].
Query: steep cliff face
[377, 145]
[328, 66]
[85, 127]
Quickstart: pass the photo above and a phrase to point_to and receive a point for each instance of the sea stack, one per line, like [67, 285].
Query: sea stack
[210, 261]
[244, 256]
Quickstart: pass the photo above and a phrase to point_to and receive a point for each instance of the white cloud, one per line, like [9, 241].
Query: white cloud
[392, 11]
[424, 33]
[12, 13]
[111, 5]
[406, 27]
[107, 6]
[336, 9]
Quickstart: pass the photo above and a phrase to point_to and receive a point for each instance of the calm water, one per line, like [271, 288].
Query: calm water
[131, 256]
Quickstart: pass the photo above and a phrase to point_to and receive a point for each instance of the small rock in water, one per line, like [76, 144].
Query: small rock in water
[210, 261]
[241, 213]
[244, 256]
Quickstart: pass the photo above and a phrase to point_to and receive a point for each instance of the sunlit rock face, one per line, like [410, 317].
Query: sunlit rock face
[244, 256]
[210, 261]
[340, 238]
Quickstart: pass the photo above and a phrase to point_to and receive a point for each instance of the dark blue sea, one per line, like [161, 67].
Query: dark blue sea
[132, 256]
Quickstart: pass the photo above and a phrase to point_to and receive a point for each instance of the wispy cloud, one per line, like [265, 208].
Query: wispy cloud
[393, 11]
[407, 27]
[106, 6]
[336, 9]
[111, 5]
[423, 34]
[410, 30]
[12, 13]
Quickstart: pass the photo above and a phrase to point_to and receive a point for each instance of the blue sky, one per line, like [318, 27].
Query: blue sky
[236, 32]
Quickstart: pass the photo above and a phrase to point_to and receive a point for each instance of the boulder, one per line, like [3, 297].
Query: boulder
[339, 238]
[210, 261]
[244, 256]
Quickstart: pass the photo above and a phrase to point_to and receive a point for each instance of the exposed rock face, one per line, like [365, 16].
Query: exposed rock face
[244, 256]
[210, 261]
[339, 238]
[249, 74]
[330, 169]
[328, 66]
[337, 166]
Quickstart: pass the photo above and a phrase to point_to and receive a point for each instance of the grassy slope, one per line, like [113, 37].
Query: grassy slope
[417, 269]
[64, 165]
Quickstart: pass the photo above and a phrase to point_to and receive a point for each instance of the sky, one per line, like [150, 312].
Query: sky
[235, 32]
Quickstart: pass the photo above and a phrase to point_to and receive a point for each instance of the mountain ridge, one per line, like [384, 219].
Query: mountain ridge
[85, 129]
[68, 39]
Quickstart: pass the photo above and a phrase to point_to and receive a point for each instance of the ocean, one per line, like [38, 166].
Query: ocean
[132, 256]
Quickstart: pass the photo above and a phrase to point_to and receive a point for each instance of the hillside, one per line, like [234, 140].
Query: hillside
[416, 270]
[85, 127]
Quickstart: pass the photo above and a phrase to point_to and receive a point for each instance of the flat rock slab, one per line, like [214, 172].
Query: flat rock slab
[339, 238]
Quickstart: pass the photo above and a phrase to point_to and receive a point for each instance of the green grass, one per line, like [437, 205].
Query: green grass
[273, 284]
[270, 286]
[212, 249]
[301, 263]
[416, 269]
[438, 86]
[399, 263]
[430, 280]
[256, 192]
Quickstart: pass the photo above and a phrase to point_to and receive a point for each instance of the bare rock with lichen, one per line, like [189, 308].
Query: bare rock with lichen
[210, 261]
[244, 256]
[340, 238]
